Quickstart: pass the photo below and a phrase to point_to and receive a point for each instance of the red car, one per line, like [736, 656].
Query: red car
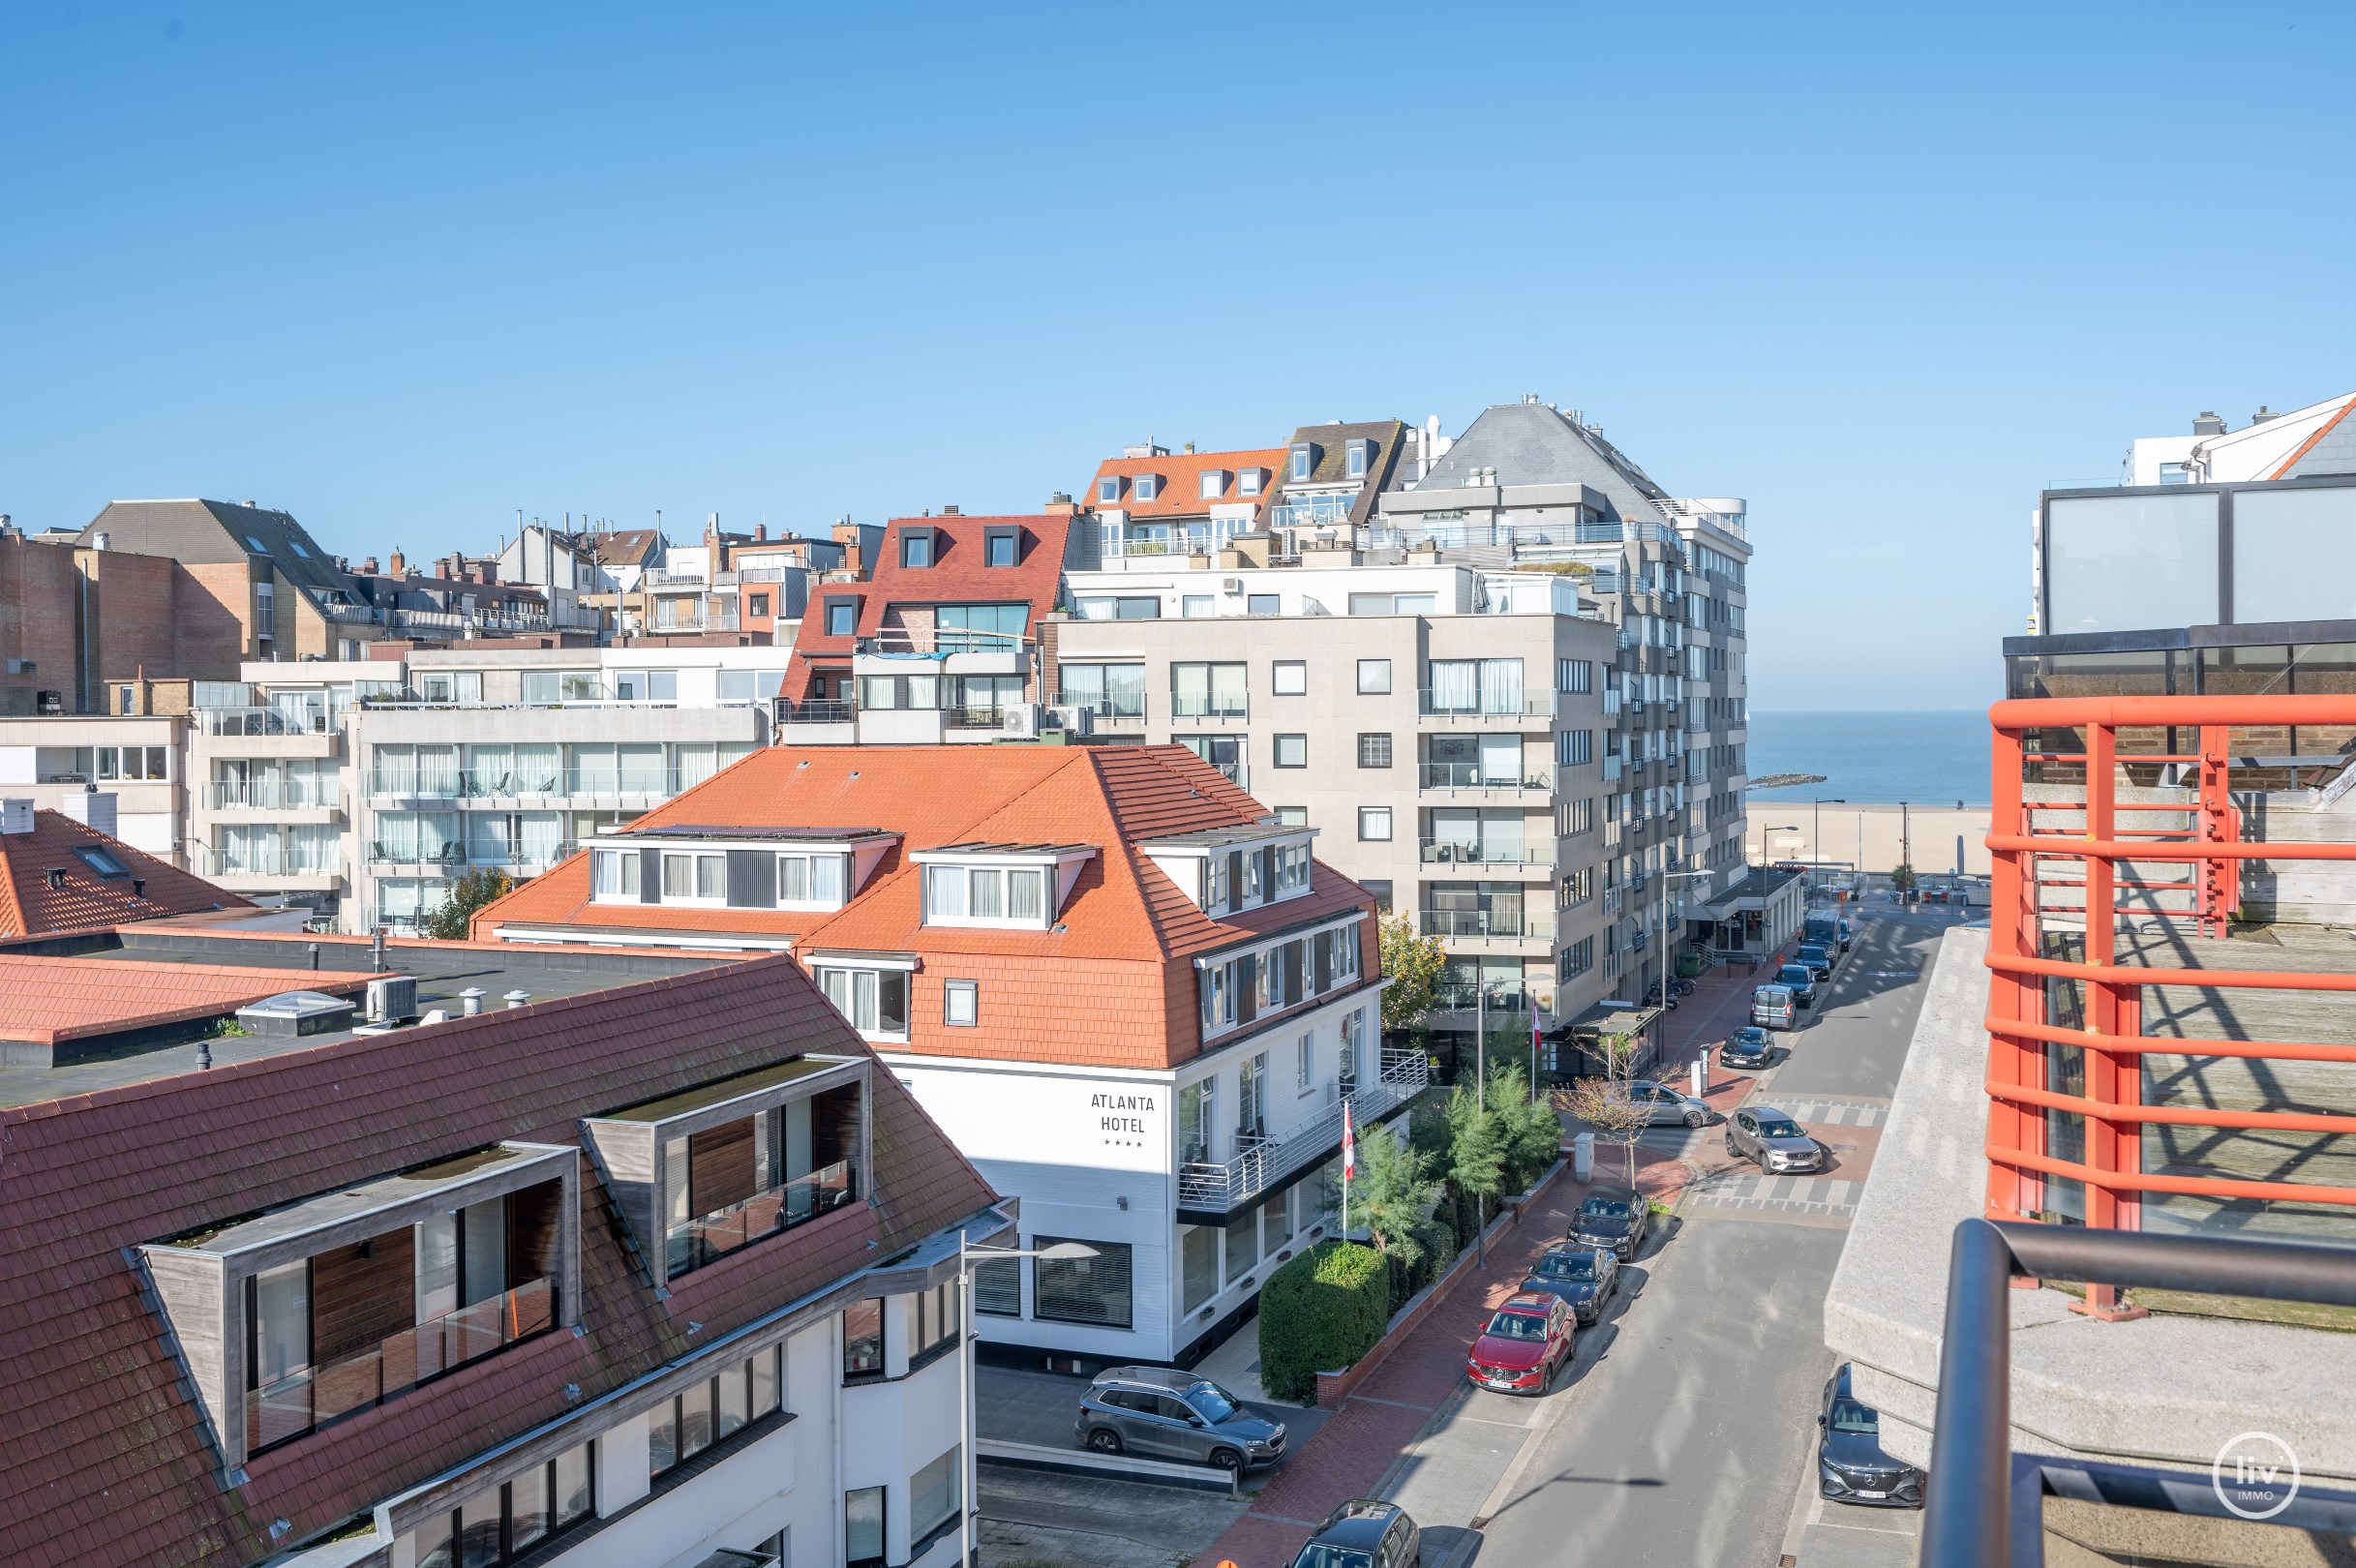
[1523, 1345]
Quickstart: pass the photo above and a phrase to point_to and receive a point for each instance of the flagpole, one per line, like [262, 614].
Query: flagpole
[1349, 1163]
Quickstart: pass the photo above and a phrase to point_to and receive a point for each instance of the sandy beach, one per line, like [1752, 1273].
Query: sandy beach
[1869, 836]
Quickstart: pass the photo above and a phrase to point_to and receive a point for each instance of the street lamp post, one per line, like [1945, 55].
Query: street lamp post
[1816, 839]
[968, 1257]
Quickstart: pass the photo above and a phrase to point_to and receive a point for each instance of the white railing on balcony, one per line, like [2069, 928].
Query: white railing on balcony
[1268, 1164]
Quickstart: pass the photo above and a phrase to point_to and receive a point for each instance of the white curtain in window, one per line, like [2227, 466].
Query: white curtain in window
[641, 769]
[597, 770]
[1500, 758]
[1454, 685]
[696, 764]
[315, 847]
[438, 771]
[539, 766]
[491, 770]
[1500, 685]
[395, 771]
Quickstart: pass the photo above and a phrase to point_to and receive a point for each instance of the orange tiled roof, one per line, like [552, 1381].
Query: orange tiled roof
[1122, 909]
[45, 1000]
[84, 899]
[1181, 490]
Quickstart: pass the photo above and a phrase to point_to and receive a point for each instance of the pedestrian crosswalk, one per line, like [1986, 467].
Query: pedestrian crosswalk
[1830, 1112]
[1831, 1197]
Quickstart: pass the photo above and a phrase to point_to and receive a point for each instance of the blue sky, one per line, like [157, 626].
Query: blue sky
[1885, 271]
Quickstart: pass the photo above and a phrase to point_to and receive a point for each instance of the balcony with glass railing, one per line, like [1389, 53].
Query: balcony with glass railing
[1485, 705]
[262, 722]
[278, 858]
[707, 1238]
[1216, 1188]
[1116, 708]
[1486, 852]
[649, 783]
[288, 1407]
[272, 794]
[1218, 705]
[1472, 778]
[1480, 924]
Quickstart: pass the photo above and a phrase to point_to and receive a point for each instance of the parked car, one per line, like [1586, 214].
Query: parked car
[1765, 1134]
[1364, 1534]
[1156, 1412]
[1584, 1277]
[1523, 1343]
[1747, 1047]
[1817, 957]
[1668, 1106]
[1801, 983]
[1773, 1007]
[1849, 1464]
[1614, 1219]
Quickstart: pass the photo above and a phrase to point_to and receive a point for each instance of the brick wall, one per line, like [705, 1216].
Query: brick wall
[214, 613]
[40, 602]
[133, 601]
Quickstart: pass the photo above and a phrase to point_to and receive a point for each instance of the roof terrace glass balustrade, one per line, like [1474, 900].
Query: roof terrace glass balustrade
[709, 1237]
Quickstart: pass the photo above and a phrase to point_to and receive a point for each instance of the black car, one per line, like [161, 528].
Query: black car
[1849, 1464]
[1583, 1276]
[1614, 1219]
[1364, 1534]
[1747, 1047]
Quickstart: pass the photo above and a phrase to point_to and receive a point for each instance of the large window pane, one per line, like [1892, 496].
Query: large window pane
[932, 1495]
[2130, 562]
[998, 1288]
[527, 1508]
[574, 1498]
[1199, 1254]
[1083, 1290]
[2281, 540]
[862, 1349]
[862, 1518]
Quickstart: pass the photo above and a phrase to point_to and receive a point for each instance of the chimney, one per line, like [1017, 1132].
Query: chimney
[396, 564]
[368, 567]
[57, 876]
[949, 511]
[93, 809]
[2263, 414]
[1060, 504]
[139, 888]
[2206, 423]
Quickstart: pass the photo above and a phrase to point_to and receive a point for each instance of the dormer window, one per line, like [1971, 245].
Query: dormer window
[1147, 486]
[1359, 454]
[1016, 886]
[915, 547]
[1001, 544]
[1108, 490]
[1214, 483]
[819, 873]
[1248, 481]
[1230, 869]
[1302, 461]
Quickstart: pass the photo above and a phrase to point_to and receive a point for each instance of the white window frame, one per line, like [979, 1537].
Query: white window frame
[1147, 487]
[961, 997]
[821, 968]
[1214, 483]
[964, 870]
[1359, 459]
[693, 900]
[1365, 813]
[1107, 488]
[1248, 481]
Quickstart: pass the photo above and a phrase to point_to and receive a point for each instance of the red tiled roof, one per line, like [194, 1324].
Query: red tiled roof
[956, 576]
[107, 1461]
[1123, 909]
[45, 1000]
[85, 900]
[1180, 494]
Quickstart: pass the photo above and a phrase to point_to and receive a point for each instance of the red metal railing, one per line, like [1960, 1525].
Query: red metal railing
[2206, 840]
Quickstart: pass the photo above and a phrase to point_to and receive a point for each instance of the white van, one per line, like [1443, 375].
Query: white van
[1773, 1008]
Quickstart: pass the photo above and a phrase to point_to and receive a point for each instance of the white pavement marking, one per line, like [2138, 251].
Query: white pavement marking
[1803, 1194]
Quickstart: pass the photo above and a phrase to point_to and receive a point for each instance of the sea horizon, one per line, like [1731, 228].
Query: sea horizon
[1920, 757]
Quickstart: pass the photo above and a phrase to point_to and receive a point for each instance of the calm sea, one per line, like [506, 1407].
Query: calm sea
[1925, 758]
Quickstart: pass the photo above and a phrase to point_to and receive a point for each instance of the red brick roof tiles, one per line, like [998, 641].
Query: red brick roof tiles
[85, 899]
[106, 1458]
[45, 1000]
[1180, 492]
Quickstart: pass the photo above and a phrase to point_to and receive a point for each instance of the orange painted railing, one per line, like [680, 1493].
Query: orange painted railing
[2211, 847]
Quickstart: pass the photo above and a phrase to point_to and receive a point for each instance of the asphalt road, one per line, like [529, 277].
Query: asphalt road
[1686, 1441]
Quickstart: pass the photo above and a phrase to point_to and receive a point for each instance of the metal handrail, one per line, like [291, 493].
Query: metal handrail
[1973, 1517]
[1225, 1184]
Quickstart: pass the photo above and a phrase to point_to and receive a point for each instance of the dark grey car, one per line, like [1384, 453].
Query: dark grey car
[1747, 1047]
[1763, 1133]
[1583, 1276]
[1156, 1412]
[1850, 1466]
[1613, 1219]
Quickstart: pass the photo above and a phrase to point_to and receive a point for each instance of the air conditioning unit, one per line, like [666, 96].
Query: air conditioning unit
[1074, 719]
[1230, 585]
[1022, 718]
[392, 998]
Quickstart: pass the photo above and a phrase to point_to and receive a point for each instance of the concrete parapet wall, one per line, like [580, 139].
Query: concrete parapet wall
[2165, 1390]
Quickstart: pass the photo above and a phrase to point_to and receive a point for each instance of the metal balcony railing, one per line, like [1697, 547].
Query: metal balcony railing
[1467, 996]
[265, 722]
[925, 642]
[816, 710]
[1984, 1503]
[455, 858]
[1126, 709]
[1457, 851]
[1533, 924]
[1211, 704]
[265, 861]
[269, 795]
[510, 784]
[2097, 906]
[1223, 1187]
[1472, 775]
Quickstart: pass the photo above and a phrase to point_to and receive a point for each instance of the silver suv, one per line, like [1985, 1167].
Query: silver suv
[1155, 1412]
[1774, 1139]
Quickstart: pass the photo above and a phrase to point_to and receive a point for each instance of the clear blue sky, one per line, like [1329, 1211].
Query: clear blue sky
[1883, 270]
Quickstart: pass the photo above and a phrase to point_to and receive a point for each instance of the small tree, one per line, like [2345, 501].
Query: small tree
[1413, 964]
[1476, 1156]
[451, 920]
[1604, 1102]
[1391, 1197]
[1902, 878]
[1529, 1133]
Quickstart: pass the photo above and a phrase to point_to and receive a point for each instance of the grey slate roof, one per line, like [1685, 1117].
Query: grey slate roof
[1329, 450]
[198, 533]
[1529, 444]
[2334, 451]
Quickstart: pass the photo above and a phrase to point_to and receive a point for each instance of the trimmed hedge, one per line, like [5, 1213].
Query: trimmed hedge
[1320, 1313]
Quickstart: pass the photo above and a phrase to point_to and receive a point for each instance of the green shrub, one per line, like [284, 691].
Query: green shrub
[1321, 1312]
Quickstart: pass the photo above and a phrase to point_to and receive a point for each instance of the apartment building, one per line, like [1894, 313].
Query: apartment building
[939, 643]
[651, 1266]
[1442, 727]
[363, 787]
[135, 761]
[1152, 502]
[1135, 997]
[1532, 485]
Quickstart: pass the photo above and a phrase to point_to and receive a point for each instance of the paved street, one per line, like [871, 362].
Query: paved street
[1684, 1433]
